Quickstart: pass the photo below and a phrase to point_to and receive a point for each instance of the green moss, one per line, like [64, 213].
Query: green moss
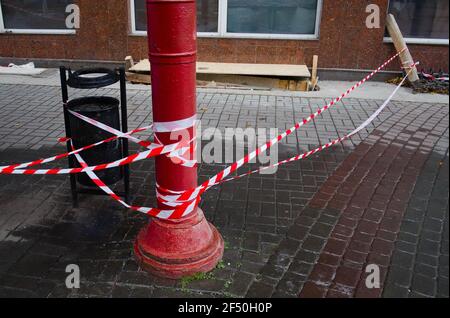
[228, 283]
[228, 295]
[200, 276]
[220, 265]
[196, 277]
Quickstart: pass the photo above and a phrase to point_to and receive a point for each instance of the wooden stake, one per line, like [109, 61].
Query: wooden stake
[314, 78]
[129, 63]
[400, 44]
[314, 68]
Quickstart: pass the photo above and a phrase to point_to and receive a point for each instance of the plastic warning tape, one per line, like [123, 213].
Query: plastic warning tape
[157, 127]
[184, 208]
[6, 169]
[184, 202]
[180, 211]
[193, 193]
[158, 149]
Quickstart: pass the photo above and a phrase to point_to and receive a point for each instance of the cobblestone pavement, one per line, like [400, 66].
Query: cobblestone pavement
[308, 230]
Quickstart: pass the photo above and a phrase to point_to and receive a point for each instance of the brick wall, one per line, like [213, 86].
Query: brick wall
[344, 40]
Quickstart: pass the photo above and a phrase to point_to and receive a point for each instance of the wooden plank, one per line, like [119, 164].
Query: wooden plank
[314, 84]
[314, 68]
[146, 79]
[141, 67]
[129, 63]
[274, 70]
[240, 80]
[136, 78]
[314, 78]
[400, 44]
[251, 81]
[303, 86]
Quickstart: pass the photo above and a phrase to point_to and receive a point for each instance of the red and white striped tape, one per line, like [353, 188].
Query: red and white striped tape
[157, 127]
[185, 202]
[180, 147]
[186, 207]
[331, 143]
[7, 169]
[158, 149]
[180, 211]
[193, 193]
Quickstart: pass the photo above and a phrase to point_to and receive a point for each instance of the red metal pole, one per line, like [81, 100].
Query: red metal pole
[175, 248]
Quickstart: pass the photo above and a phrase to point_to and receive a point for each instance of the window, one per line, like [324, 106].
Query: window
[34, 16]
[287, 19]
[422, 21]
[272, 16]
[207, 16]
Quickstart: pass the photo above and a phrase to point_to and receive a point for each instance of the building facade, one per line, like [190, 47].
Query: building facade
[239, 31]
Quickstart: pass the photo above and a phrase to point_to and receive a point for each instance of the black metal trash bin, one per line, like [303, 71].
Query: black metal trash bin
[105, 110]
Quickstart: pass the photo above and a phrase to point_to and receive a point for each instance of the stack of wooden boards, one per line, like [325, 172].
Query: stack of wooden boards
[238, 75]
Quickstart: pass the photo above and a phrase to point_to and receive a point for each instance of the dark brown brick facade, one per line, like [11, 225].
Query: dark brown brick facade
[344, 41]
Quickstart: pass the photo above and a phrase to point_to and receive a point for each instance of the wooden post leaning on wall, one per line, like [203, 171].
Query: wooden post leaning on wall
[400, 44]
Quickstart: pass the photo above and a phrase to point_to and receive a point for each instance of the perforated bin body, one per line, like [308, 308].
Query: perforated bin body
[106, 111]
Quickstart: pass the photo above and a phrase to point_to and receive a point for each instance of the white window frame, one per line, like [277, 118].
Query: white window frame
[222, 27]
[31, 31]
[424, 41]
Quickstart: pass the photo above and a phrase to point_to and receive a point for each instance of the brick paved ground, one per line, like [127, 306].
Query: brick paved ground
[308, 230]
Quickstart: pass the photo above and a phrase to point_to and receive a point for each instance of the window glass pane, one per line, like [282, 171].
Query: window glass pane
[140, 13]
[420, 18]
[35, 14]
[272, 16]
[207, 15]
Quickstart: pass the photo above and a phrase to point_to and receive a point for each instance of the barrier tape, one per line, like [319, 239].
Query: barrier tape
[159, 149]
[153, 147]
[157, 127]
[191, 194]
[185, 202]
[10, 168]
[184, 208]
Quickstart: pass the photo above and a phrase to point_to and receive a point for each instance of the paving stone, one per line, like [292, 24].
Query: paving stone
[296, 226]
[321, 230]
[443, 287]
[260, 290]
[429, 247]
[403, 259]
[313, 244]
[399, 276]
[241, 283]
[312, 290]
[424, 285]
[291, 283]
[394, 291]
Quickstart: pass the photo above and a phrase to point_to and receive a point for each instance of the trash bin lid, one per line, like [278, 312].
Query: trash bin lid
[94, 104]
[92, 78]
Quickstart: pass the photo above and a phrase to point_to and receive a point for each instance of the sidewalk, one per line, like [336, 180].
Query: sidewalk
[328, 89]
[308, 231]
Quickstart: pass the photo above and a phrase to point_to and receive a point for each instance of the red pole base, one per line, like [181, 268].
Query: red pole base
[179, 248]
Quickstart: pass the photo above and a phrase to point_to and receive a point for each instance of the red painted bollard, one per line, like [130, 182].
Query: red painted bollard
[183, 247]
